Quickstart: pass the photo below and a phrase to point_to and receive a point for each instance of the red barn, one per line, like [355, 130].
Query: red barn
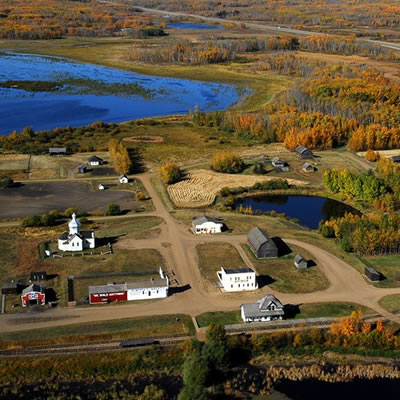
[34, 294]
[108, 293]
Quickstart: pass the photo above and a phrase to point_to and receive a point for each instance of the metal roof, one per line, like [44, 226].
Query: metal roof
[259, 309]
[243, 270]
[94, 158]
[257, 237]
[146, 284]
[57, 149]
[299, 258]
[203, 219]
[33, 288]
[301, 149]
[110, 288]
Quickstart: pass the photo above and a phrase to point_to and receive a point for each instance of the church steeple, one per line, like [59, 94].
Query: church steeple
[74, 225]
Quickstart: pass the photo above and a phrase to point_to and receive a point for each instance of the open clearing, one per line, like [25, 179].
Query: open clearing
[39, 198]
[391, 303]
[200, 187]
[162, 325]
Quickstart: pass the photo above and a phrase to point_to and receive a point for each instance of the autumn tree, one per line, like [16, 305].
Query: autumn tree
[170, 173]
[121, 159]
[372, 156]
[227, 162]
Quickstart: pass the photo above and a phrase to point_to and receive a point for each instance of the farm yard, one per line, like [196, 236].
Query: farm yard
[38, 198]
[200, 187]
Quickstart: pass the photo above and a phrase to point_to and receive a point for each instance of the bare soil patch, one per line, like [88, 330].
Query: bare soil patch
[144, 139]
[39, 198]
[200, 187]
[383, 153]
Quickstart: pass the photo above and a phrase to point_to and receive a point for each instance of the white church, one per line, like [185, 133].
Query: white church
[75, 239]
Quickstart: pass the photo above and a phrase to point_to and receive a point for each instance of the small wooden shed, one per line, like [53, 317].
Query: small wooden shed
[372, 274]
[300, 262]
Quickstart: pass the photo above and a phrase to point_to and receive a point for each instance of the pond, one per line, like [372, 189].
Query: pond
[194, 26]
[49, 92]
[309, 210]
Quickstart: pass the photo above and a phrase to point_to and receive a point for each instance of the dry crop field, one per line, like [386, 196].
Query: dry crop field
[201, 186]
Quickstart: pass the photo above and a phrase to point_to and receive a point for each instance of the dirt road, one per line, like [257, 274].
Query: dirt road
[178, 246]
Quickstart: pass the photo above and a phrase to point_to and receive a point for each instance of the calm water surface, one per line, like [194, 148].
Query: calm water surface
[309, 210]
[194, 26]
[90, 93]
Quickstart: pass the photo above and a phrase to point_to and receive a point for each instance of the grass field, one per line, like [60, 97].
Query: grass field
[389, 267]
[281, 274]
[311, 310]
[213, 256]
[163, 325]
[391, 303]
[219, 317]
[334, 309]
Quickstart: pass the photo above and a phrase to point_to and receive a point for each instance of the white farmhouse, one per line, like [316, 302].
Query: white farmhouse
[123, 179]
[75, 239]
[237, 279]
[154, 288]
[206, 224]
[268, 308]
[95, 161]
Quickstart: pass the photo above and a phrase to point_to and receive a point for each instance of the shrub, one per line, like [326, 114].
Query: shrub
[140, 195]
[69, 211]
[31, 220]
[259, 168]
[170, 173]
[228, 163]
[224, 192]
[372, 156]
[5, 181]
[113, 209]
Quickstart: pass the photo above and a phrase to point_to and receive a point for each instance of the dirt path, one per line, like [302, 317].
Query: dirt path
[178, 246]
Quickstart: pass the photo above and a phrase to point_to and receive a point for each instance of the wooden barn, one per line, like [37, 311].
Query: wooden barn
[32, 295]
[108, 293]
[304, 153]
[261, 244]
[372, 274]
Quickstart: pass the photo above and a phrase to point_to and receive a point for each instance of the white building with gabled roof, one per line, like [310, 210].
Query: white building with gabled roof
[268, 308]
[237, 279]
[205, 224]
[75, 239]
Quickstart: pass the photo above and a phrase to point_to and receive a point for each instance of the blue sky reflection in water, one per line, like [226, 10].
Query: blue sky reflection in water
[90, 93]
[194, 26]
[309, 210]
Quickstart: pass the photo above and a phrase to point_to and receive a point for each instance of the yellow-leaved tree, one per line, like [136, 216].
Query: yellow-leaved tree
[121, 160]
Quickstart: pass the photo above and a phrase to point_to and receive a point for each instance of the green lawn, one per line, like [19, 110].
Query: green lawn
[162, 325]
[213, 256]
[219, 317]
[333, 309]
[389, 267]
[281, 274]
[391, 303]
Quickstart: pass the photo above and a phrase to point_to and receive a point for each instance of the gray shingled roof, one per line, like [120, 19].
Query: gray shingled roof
[299, 258]
[82, 234]
[204, 218]
[259, 309]
[95, 158]
[257, 237]
[113, 288]
[147, 284]
[300, 149]
[396, 158]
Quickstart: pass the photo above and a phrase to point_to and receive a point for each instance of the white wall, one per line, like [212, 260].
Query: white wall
[143, 293]
[208, 227]
[238, 282]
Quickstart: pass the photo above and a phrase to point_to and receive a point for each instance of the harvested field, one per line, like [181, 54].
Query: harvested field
[143, 139]
[201, 186]
[383, 153]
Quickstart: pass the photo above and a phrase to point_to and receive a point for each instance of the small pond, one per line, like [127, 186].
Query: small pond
[194, 26]
[309, 210]
[49, 92]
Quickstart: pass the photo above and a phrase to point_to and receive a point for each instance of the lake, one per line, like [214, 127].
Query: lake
[194, 26]
[309, 210]
[78, 94]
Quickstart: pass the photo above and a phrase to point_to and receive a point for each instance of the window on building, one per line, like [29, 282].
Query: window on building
[231, 286]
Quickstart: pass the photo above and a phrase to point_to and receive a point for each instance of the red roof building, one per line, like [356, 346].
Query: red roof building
[32, 295]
